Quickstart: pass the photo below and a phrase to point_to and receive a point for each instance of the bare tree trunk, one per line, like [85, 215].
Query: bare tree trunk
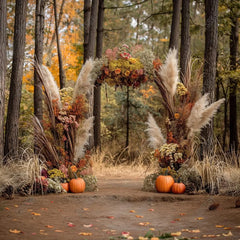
[185, 39]
[38, 56]
[49, 51]
[174, 36]
[3, 65]
[87, 14]
[91, 53]
[62, 76]
[128, 119]
[97, 89]
[11, 130]
[210, 63]
[233, 144]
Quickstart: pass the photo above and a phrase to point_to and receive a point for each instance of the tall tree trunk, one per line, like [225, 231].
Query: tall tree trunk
[233, 144]
[38, 56]
[91, 53]
[185, 39]
[87, 14]
[11, 130]
[174, 36]
[97, 89]
[62, 76]
[210, 63]
[50, 48]
[3, 65]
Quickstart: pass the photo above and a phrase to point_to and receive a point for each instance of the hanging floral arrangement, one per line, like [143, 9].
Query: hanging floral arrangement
[124, 66]
[187, 113]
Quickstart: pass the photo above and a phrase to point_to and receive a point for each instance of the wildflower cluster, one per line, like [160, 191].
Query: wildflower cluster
[122, 68]
[56, 175]
[181, 89]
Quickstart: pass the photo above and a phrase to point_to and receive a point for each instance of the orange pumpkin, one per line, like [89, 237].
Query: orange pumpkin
[164, 183]
[65, 186]
[77, 185]
[178, 188]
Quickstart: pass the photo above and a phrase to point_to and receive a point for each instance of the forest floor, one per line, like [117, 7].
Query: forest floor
[118, 206]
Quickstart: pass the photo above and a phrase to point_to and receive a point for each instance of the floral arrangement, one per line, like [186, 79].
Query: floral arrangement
[123, 67]
[187, 114]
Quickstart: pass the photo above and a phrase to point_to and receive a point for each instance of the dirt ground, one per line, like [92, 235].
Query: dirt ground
[119, 206]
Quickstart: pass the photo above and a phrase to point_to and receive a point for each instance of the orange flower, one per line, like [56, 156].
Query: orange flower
[117, 71]
[177, 115]
[74, 168]
[134, 76]
[157, 63]
[127, 73]
[106, 71]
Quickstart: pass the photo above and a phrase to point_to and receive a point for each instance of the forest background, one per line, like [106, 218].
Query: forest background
[124, 110]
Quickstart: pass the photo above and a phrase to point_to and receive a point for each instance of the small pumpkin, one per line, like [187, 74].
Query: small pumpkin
[178, 188]
[65, 186]
[77, 185]
[164, 183]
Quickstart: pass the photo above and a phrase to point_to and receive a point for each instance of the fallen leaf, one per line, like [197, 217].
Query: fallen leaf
[142, 238]
[59, 231]
[49, 226]
[132, 211]
[138, 216]
[34, 233]
[125, 234]
[15, 231]
[195, 231]
[229, 234]
[111, 217]
[177, 219]
[151, 209]
[144, 223]
[15, 205]
[7, 208]
[152, 229]
[85, 209]
[30, 210]
[237, 226]
[36, 214]
[176, 234]
[182, 214]
[87, 225]
[209, 236]
[44, 208]
[85, 234]
[185, 230]
[43, 233]
[154, 238]
[219, 226]
[71, 224]
[227, 228]
[200, 218]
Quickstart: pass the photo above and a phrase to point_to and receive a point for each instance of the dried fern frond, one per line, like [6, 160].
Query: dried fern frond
[201, 114]
[43, 145]
[82, 138]
[169, 72]
[155, 136]
[84, 81]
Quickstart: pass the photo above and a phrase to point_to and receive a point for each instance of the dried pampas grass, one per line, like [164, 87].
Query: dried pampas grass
[169, 72]
[84, 82]
[156, 138]
[82, 138]
[201, 113]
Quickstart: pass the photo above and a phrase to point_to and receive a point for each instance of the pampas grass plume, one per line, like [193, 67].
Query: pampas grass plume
[82, 137]
[155, 135]
[201, 113]
[169, 72]
[84, 81]
[50, 84]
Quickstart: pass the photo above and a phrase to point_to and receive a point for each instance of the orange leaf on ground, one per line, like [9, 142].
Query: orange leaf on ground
[59, 231]
[209, 236]
[15, 231]
[85, 209]
[176, 234]
[144, 223]
[182, 214]
[219, 226]
[132, 211]
[229, 234]
[15, 205]
[49, 226]
[227, 228]
[200, 218]
[151, 209]
[111, 217]
[138, 216]
[36, 214]
[177, 219]
[85, 234]
[7, 208]
[71, 224]
[87, 225]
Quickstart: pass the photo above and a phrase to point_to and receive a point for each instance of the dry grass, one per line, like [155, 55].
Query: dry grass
[20, 172]
[128, 162]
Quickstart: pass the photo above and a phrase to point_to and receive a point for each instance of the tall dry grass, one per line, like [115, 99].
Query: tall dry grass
[131, 162]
